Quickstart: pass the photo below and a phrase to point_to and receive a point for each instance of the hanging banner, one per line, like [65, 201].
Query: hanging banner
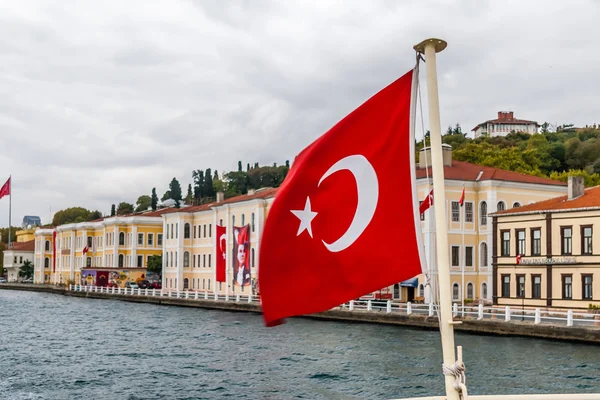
[241, 251]
[54, 250]
[221, 253]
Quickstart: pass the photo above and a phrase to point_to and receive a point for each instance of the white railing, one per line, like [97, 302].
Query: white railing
[480, 312]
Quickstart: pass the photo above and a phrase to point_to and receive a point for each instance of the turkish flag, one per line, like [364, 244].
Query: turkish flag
[221, 253]
[85, 250]
[428, 202]
[461, 201]
[54, 250]
[5, 189]
[344, 222]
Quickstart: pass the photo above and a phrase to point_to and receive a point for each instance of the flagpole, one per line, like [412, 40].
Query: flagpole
[9, 206]
[464, 261]
[429, 48]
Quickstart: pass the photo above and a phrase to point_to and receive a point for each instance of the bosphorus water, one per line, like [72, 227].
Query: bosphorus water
[57, 347]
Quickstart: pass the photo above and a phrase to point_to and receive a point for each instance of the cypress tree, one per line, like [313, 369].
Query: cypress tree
[113, 210]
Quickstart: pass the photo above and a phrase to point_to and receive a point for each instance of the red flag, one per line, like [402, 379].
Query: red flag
[5, 189]
[518, 259]
[85, 250]
[221, 253]
[332, 233]
[428, 202]
[54, 250]
[462, 197]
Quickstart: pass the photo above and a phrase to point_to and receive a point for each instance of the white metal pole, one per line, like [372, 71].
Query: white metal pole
[430, 47]
[9, 206]
[464, 259]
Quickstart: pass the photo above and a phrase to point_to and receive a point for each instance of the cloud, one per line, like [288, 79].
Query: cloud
[101, 102]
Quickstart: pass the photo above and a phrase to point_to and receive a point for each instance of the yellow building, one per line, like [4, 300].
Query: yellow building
[105, 252]
[470, 232]
[546, 253]
[25, 235]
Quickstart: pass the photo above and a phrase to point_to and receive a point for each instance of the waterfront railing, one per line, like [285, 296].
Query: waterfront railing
[478, 312]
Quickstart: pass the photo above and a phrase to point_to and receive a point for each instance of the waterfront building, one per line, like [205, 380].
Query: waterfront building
[108, 251]
[15, 257]
[470, 232]
[547, 254]
[192, 246]
[503, 125]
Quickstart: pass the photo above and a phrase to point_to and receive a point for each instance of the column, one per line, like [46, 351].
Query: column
[179, 227]
[165, 235]
[116, 246]
[215, 240]
[72, 259]
[134, 246]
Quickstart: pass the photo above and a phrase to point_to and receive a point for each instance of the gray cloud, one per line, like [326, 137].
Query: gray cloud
[101, 102]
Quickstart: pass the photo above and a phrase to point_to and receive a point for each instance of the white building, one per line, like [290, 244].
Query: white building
[16, 256]
[505, 124]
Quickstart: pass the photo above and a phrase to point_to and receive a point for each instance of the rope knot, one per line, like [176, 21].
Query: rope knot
[457, 370]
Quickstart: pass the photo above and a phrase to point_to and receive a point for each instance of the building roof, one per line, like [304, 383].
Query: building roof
[589, 200]
[465, 171]
[258, 194]
[22, 246]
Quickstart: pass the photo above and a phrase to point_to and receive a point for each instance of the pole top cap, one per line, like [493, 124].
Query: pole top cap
[438, 44]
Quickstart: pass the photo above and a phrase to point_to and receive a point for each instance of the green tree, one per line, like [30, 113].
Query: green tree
[287, 163]
[189, 197]
[95, 215]
[237, 183]
[154, 200]
[219, 186]
[143, 203]
[155, 264]
[124, 208]
[113, 211]
[589, 179]
[198, 176]
[175, 189]
[70, 215]
[208, 183]
[13, 234]
[166, 196]
[216, 175]
[239, 166]
[26, 270]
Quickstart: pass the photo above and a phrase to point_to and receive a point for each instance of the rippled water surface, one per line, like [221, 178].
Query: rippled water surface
[56, 347]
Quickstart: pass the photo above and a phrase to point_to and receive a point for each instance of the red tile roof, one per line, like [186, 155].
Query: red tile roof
[22, 246]
[590, 199]
[259, 194]
[465, 171]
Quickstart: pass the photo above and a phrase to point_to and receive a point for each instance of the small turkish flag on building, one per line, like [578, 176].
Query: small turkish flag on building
[221, 275]
[5, 189]
[85, 250]
[425, 204]
[518, 259]
[345, 222]
[461, 201]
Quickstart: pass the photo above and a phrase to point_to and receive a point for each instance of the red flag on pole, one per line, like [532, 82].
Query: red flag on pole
[221, 253]
[428, 202]
[332, 233]
[5, 189]
[85, 250]
[462, 197]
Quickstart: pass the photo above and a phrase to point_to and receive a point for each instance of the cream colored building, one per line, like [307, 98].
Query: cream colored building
[503, 125]
[15, 257]
[470, 232]
[559, 258]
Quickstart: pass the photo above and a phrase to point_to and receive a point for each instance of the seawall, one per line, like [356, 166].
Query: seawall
[586, 334]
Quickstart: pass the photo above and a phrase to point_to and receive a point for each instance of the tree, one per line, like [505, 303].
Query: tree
[26, 270]
[166, 196]
[218, 186]
[4, 235]
[208, 184]
[70, 215]
[287, 163]
[247, 167]
[216, 175]
[113, 211]
[189, 197]
[95, 215]
[449, 131]
[124, 208]
[239, 166]
[155, 264]
[198, 176]
[154, 200]
[175, 189]
[143, 203]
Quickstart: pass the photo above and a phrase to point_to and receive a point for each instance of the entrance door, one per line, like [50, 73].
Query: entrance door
[396, 291]
[410, 294]
[102, 278]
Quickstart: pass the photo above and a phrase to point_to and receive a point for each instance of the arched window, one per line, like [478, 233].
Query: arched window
[483, 253]
[483, 213]
[243, 219]
[421, 290]
[121, 260]
[186, 231]
[469, 290]
[176, 263]
[501, 206]
[47, 247]
[193, 284]
[516, 204]
[121, 239]
[186, 259]
[252, 258]
[455, 292]
[88, 262]
[253, 220]
[46, 262]
[484, 293]
[186, 283]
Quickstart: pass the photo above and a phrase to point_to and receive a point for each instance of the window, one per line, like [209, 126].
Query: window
[501, 206]
[186, 231]
[209, 230]
[121, 260]
[195, 231]
[484, 290]
[520, 233]
[150, 240]
[89, 242]
[193, 284]
[586, 292]
[468, 212]
[140, 239]
[177, 232]
[469, 257]
[159, 239]
[536, 286]
[455, 292]
[186, 283]
[199, 263]
[209, 284]
[421, 290]
[233, 220]
[209, 261]
[121, 239]
[505, 285]
[469, 290]
[455, 256]
[194, 262]
[171, 232]
[140, 261]
[252, 220]
[521, 286]
[516, 204]
[455, 212]
[220, 224]
[203, 283]
[566, 235]
[422, 216]
[204, 230]
[203, 260]
[483, 213]
[47, 246]
[483, 252]
[252, 258]
[46, 262]
[536, 242]
[88, 262]
[186, 259]
[567, 287]
[176, 259]
[21, 260]
[505, 243]
[586, 240]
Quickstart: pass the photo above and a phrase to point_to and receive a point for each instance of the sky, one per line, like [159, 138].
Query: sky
[102, 101]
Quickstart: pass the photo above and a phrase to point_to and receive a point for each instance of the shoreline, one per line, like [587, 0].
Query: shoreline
[587, 334]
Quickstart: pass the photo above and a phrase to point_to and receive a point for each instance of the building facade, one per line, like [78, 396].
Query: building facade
[470, 233]
[503, 125]
[547, 254]
[15, 257]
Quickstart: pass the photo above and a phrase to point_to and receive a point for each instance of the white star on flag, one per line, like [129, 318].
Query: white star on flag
[305, 216]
